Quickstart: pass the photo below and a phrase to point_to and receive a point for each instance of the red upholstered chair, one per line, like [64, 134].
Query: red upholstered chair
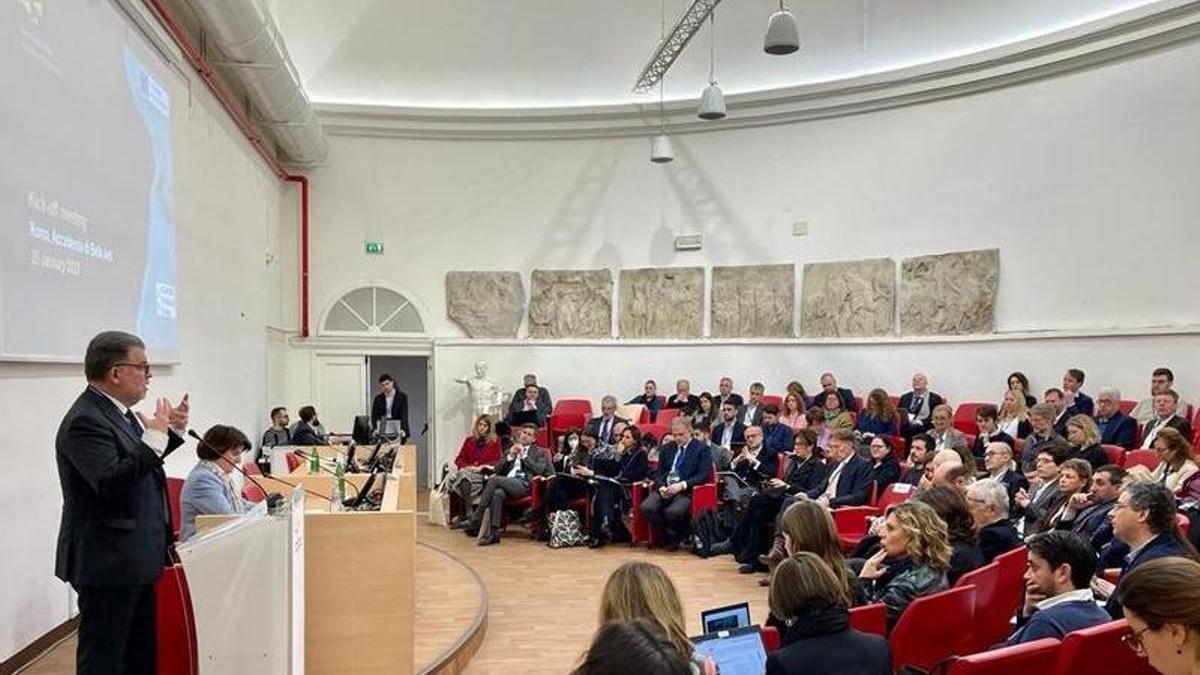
[768, 399]
[896, 493]
[1010, 591]
[894, 399]
[293, 461]
[665, 416]
[986, 581]
[1184, 524]
[1099, 650]
[1030, 658]
[252, 493]
[531, 501]
[1141, 457]
[1114, 453]
[851, 522]
[770, 638]
[657, 429]
[964, 418]
[703, 497]
[251, 468]
[870, 619]
[858, 403]
[175, 624]
[1126, 406]
[569, 413]
[899, 446]
[174, 490]
[921, 638]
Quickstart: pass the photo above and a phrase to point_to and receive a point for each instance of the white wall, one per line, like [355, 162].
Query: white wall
[1086, 182]
[228, 220]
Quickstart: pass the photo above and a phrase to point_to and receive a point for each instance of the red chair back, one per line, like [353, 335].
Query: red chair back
[964, 418]
[986, 581]
[870, 619]
[851, 522]
[1115, 454]
[1029, 658]
[1184, 524]
[174, 491]
[573, 406]
[1126, 406]
[665, 416]
[1010, 591]
[1099, 650]
[174, 624]
[899, 446]
[770, 638]
[252, 493]
[921, 639]
[1142, 457]
[768, 399]
[251, 468]
[896, 493]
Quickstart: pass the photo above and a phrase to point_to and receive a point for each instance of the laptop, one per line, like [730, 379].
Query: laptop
[739, 651]
[725, 618]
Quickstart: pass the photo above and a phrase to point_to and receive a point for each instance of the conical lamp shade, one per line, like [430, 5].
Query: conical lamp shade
[712, 103]
[660, 150]
[783, 36]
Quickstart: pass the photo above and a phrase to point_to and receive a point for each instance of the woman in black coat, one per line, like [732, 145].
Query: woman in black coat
[613, 471]
[816, 638]
[885, 468]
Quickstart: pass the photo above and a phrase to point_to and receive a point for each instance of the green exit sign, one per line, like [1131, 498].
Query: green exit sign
[374, 247]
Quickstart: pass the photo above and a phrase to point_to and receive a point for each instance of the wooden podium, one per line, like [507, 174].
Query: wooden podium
[359, 568]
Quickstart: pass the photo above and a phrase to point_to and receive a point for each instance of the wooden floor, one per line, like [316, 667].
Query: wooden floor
[542, 603]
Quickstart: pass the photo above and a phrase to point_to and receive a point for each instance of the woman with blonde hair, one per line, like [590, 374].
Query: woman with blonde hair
[912, 561]
[816, 637]
[641, 590]
[1014, 415]
[1161, 602]
[1084, 437]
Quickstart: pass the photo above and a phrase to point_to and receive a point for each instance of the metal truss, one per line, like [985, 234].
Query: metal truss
[672, 46]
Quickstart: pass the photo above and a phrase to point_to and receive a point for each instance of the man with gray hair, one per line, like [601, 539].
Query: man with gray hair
[684, 400]
[604, 426]
[1116, 428]
[116, 531]
[998, 460]
[988, 500]
[683, 463]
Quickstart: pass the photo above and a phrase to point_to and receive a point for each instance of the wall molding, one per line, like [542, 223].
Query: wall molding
[1148, 28]
[900, 340]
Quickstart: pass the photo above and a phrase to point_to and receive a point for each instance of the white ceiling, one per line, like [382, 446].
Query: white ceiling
[551, 53]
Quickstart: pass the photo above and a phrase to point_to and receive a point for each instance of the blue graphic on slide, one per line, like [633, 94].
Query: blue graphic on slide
[157, 308]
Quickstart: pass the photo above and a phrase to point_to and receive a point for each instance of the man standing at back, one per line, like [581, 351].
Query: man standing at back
[390, 404]
[115, 533]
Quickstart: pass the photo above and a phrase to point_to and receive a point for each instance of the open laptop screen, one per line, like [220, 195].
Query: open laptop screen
[725, 618]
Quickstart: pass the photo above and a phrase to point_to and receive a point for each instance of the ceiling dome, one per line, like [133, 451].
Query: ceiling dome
[523, 54]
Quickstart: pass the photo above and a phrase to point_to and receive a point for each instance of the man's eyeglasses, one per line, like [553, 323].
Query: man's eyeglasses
[145, 367]
[1133, 640]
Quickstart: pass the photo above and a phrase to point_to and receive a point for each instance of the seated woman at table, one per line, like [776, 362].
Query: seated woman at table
[480, 450]
[214, 485]
[626, 463]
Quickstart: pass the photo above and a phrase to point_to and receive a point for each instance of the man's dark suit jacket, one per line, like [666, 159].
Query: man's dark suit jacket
[593, 425]
[981, 443]
[304, 435]
[1161, 546]
[1083, 405]
[906, 400]
[997, 538]
[1121, 430]
[1013, 480]
[853, 486]
[736, 440]
[399, 410]
[536, 463]
[778, 437]
[115, 529]
[755, 419]
[1088, 521]
[695, 467]
[768, 466]
[734, 398]
[1177, 422]
[544, 405]
[685, 407]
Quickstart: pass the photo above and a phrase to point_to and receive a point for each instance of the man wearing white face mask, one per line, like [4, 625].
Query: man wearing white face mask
[214, 486]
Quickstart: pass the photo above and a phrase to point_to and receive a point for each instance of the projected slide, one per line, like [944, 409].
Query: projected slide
[87, 214]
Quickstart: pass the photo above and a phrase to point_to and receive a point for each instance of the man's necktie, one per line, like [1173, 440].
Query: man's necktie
[133, 423]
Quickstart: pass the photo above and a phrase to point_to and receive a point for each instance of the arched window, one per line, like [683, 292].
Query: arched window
[373, 310]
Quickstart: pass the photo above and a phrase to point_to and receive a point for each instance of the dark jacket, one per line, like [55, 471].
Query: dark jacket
[911, 420]
[1161, 546]
[517, 404]
[847, 397]
[684, 407]
[997, 538]
[399, 410]
[853, 486]
[596, 423]
[1177, 422]
[873, 425]
[652, 403]
[778, 437]
[902, 583]
[821, 642]
[964, 558]
[304, 435]
[737, 437]
[1088, 521]
[1121, 429]
[695, 467]
[885, 473]
[1083, 405]
[979, 447]
[1093, 454]
[1013, 481]
[805, 476]
[768, 466]
[536, 463]
[115, 529]
[755, 417]
[734, 398]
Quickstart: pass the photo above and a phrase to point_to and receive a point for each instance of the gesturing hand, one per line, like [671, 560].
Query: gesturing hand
[179, 415]
[162, 416]
[873, 569]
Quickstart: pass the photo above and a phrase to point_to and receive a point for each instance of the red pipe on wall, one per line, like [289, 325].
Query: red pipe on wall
[250, 130]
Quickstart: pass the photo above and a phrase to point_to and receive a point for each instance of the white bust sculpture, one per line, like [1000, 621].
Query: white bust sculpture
[485, 394]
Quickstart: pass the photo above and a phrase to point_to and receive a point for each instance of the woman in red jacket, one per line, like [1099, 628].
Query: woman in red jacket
[479, 450]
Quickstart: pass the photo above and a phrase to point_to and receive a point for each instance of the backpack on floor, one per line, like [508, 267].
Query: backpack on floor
[565, 529]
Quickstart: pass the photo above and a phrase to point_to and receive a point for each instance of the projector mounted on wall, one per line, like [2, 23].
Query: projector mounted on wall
[689, 242]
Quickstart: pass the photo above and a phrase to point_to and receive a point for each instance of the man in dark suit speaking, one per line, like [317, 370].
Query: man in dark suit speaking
[390, 403]
[115, 533]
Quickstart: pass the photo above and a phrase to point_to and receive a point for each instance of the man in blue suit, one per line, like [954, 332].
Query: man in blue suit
[1144, 520]
[683, 463]
[848, 482]
[776, 437]
[1075, 402]
[1116, 428]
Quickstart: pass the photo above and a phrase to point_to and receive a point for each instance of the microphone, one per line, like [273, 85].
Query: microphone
[294, 486]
